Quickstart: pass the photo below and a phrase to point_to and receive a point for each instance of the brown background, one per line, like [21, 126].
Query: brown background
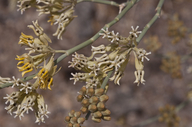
[127, 102]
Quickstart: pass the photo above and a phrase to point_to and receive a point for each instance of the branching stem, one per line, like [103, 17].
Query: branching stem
[157, 15]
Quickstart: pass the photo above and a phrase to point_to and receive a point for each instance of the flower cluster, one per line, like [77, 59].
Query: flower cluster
[60, 11]
[169, 116]
[171, 64]
[114, 56]
[93, 100]
[26, 99]
[74, 119]
[176, 29]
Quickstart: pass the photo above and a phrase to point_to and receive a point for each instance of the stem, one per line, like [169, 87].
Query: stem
[153, 119]
[157, 15]
[101, 2]
[146, 122]
[24, 79]
[106, 79]
[182, 105]
[60, 51]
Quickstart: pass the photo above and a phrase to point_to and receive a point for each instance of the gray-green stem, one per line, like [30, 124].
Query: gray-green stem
[157, 15]
[101, 2]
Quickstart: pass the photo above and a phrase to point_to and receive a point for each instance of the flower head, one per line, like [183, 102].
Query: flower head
[45, 75]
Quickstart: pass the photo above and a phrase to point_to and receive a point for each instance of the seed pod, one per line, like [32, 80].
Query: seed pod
[90, 91]
[70, 125]
[73, 120]
[106, 112]
[67, 119]
[104, 98]
[76, 125]
[84, 110]
[98, 120]
[99, 92]
[101, 106]
[97, 114]
[79, 98]
[85, 102]
[92, 108]
[71, 113]
[77, 114]
[80, 120]
[94, 100]
[106, 118]
[83, 90]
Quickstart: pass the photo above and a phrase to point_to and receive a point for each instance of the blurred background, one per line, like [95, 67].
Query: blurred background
[167, 74]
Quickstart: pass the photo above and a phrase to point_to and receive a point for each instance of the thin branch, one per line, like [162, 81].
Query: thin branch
[101, 2]
[157, 15]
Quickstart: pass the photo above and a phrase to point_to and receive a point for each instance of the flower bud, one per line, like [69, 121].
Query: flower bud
[71, 113]
[99, 92]
[79, 98]
[97, 114]
[101, 106]
[104, 98]
[67, 118]
[80, 120]
[90, 91]
[94, 100]
[73, 120]
[92, 108]
[97, 120]
[77, 114]
[85, 102]
[107, 112]
[84, 110]
[106, 118]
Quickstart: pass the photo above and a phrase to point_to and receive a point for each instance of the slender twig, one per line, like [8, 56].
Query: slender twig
[24, 79]
[146, 122]
[157, 15]
[153, 119]
[106, 79]
[182, 105]
[101, 2]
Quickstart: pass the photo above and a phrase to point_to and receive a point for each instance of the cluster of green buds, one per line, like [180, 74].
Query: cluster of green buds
[26, 99]
[176, 29]
[60, 11]
[74, 119]
[152, 43]
[169, 116]
[114, 56]
[171, 64]
[93, 100]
